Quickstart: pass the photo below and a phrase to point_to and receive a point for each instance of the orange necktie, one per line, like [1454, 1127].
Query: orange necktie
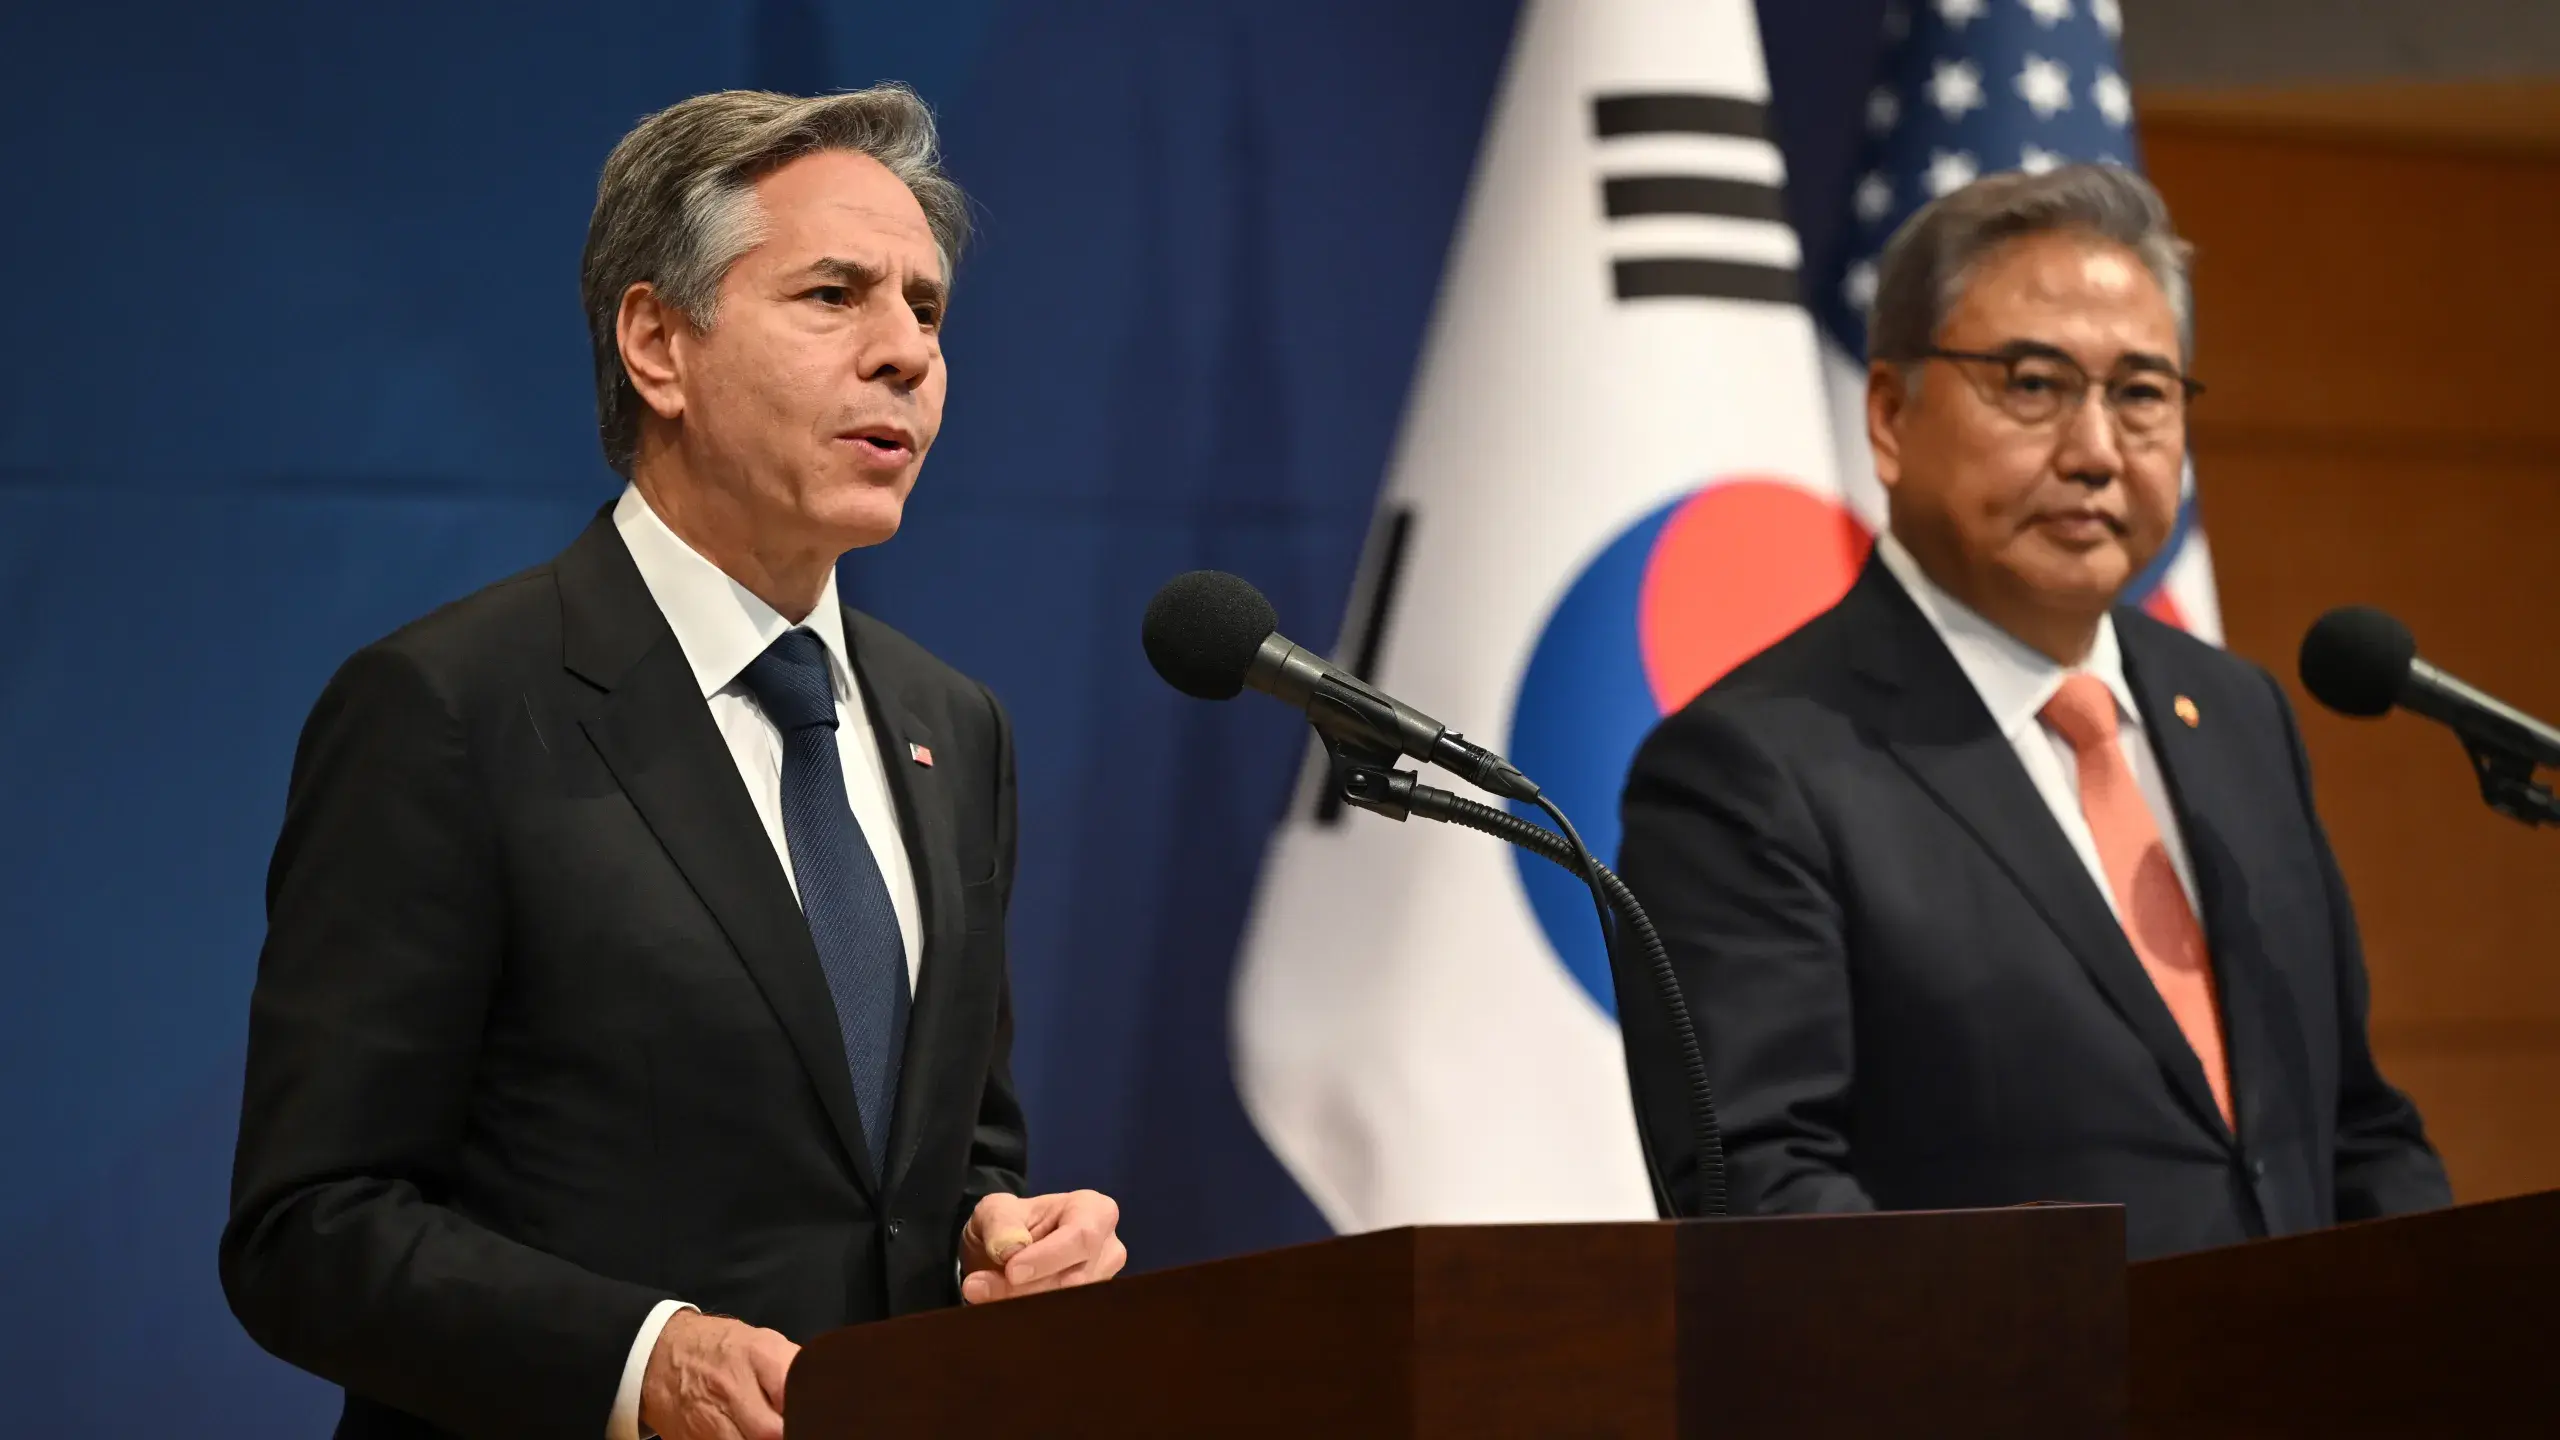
[2149, 900]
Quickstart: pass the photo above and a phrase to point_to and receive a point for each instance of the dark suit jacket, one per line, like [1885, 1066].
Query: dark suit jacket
[1912, 995]
[540, 1036]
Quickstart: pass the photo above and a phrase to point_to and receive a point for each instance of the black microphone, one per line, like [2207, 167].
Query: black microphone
[1211, 634]
[2360, 661]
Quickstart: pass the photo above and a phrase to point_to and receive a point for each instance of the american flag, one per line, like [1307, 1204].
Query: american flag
[1966, 88]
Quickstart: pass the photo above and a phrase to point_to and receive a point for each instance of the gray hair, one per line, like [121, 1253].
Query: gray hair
[1928, 261]
[676, 207]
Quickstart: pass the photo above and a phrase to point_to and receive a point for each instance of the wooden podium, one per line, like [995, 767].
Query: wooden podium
[1979, 1323]
[2446, 1323]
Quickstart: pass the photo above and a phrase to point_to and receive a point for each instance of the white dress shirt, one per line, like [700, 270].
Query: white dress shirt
[721, 626]
[2015, 680]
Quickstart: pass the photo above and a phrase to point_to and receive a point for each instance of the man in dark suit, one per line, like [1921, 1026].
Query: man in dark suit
[1985, 890]
[635, 954]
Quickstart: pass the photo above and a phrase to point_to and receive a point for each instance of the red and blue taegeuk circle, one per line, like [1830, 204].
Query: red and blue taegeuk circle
[1678, 598]
[1673, 602]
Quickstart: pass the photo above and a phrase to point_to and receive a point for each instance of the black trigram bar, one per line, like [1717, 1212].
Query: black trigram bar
[1678, 114]
[1390, 536]
[1691, 195]
[1681, 277]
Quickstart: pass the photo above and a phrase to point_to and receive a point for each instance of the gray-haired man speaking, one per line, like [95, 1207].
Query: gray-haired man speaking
[635, 953]
[1985, 889]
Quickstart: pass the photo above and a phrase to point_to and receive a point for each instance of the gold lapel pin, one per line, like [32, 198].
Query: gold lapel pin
[2186, 709]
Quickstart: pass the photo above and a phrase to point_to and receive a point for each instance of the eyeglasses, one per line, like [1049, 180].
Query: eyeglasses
[2039, 385]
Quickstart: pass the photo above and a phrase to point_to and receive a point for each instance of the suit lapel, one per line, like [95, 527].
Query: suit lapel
[905, 716]
[1934, 723]
[657, 737]
[2205, 793]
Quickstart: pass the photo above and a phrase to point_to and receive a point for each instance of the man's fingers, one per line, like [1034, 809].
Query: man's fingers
[769, 1357]
[1000, 1211]
[1004, 1244]
[754, 1401]
[1086, 1223]
[985, 1286]
[1013, 1247]
[997, 1229]
[758, 1421]
[1042, 1258]
[730, 1418]
[1008, 1290]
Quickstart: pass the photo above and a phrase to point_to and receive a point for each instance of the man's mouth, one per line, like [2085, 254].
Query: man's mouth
[2088, 522]
[881, 444]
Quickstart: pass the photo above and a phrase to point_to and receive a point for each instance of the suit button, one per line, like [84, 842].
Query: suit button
[895, 1226]
[2257, 1171]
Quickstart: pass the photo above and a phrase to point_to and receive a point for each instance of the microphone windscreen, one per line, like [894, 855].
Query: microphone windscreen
[2355, 658]
[1202, 630]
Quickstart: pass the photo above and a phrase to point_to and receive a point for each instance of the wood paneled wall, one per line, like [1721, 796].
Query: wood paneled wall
[2380, 326]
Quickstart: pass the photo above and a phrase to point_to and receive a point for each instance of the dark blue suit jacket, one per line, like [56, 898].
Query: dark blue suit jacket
[540, 1037]
[1912, 995]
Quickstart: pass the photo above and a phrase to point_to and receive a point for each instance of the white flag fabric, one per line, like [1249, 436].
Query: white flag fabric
[1615, 481]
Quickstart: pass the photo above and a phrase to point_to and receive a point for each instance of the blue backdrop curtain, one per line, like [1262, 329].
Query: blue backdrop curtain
[296, 356]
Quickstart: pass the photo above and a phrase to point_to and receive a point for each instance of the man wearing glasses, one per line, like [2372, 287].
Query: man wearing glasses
[1984, 889]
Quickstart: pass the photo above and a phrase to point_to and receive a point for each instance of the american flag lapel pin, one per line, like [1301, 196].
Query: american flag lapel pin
[2187, 711]
[921, 754]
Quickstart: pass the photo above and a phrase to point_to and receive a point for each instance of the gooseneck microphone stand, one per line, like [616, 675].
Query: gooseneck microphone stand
[1365, 775]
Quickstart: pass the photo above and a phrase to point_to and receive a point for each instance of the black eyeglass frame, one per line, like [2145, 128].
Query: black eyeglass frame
[2009, 356]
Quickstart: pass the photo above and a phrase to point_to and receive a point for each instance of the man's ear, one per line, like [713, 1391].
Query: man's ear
[1888, 399]
[645, 331]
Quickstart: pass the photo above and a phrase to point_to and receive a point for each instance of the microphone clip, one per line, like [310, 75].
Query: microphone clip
[1365, 776]
[2507, 783]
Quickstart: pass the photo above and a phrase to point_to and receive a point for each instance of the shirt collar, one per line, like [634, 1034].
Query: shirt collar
[2014, 678]
[720, 624]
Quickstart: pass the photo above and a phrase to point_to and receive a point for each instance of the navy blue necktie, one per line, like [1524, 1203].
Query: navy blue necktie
[841, 890]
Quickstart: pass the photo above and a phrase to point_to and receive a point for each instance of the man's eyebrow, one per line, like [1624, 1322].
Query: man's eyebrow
[925, 287]
[2022, 349]
[857, 275]
[2130, 360]
[846, 272]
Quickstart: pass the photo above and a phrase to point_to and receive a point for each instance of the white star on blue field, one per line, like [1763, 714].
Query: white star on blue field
[1968, 88]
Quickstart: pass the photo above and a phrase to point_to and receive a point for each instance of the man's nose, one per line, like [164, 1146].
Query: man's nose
[2090, 449]
[897, 348]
